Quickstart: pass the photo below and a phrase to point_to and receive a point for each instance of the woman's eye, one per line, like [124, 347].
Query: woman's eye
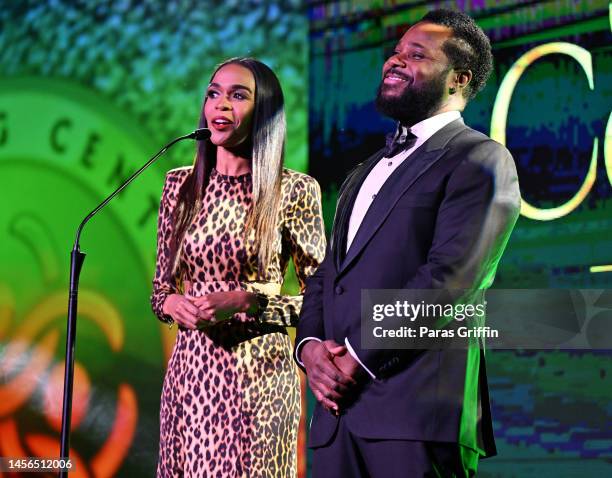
[418, 56]
[239, 96]
[211, 94]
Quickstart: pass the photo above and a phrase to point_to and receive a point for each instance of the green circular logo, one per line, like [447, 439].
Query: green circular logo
[62, 150]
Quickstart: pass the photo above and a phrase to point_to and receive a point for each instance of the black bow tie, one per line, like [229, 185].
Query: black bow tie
[399, 141]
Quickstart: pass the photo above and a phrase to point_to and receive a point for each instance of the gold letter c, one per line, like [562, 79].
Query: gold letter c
[499, 119]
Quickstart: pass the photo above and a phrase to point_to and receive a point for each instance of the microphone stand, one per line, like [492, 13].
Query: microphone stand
[76, 262]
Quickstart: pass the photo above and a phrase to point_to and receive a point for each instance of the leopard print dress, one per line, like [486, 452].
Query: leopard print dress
[230, 401]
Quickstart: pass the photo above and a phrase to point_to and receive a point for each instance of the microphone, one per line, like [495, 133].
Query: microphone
[200, 134]
[76, 262]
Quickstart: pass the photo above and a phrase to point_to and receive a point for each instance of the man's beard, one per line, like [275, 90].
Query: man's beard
[412, 105]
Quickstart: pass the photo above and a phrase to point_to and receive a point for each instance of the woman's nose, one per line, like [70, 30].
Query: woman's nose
[223, 104]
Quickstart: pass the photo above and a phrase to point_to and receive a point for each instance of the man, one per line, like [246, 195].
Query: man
[432, 210]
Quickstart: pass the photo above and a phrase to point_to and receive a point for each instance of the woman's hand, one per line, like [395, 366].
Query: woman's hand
[182, 310]
[220, 306]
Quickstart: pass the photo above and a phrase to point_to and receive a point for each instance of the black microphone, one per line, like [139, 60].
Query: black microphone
[76, 262]
[200, 134]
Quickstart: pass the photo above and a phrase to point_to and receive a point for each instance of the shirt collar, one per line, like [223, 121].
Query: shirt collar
[425, 129]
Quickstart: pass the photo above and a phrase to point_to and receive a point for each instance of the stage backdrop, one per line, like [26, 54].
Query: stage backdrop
[88, 92]
[549, 101]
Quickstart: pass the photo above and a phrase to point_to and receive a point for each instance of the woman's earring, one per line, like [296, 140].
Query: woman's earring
[451, 91]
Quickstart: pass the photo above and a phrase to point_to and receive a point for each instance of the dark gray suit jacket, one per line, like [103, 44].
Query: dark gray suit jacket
[441, 220]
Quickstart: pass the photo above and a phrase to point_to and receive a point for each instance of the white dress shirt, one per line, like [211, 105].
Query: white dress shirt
[372, 185]
[385, 167]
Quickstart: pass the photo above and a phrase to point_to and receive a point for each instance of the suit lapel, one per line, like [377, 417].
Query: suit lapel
[346, 199]
[402, 179]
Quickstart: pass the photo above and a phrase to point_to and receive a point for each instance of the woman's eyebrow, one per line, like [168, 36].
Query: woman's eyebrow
[232, 87]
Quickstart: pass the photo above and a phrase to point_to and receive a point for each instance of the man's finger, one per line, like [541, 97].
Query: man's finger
[326, 402]
[338, 350]
[329, 369]
[316, 392]
[332, 390]
[329, 343]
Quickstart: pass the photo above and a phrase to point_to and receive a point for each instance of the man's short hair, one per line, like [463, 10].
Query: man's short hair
[468, 49]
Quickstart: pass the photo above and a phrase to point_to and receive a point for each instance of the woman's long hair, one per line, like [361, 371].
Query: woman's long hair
[268, 143]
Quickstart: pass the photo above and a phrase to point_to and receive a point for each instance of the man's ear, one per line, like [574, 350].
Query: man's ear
[461, 79]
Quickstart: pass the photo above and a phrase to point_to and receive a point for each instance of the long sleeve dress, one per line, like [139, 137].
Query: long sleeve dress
[230, 401]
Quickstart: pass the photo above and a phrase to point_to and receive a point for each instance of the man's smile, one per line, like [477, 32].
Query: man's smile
[393, 77]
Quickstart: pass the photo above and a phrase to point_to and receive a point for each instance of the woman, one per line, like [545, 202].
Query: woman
[227, 227]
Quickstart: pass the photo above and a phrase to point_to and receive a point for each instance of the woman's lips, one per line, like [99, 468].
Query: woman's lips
[221, 127]
[221, 124]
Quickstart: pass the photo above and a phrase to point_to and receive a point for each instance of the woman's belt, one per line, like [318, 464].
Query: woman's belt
[267, 288]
